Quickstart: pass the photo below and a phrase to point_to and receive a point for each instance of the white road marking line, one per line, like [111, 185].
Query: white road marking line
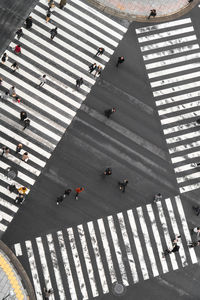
[189, 188]
[165, 53]
[166, 234]
[55, 266]
[178, 98]
[5, 191]
[88, 262]
[188, 177]
[3, 227]
[184, 147]
[128, 247]
[190, 155]
[147, 242]
[66, 265]
[99, 262]
[138, 244]
[194, 114]
[176, 231]
[8, 205]
[18, 249]
[157, 237]
[168, 43]
[185, 228]
[34, 271]
[77, 264]
[183, 137]
[44, 265]
[167, 34]
[179, 128]
[184, 167]
[5, 216]
[107, 250]
[175, 89]
[163, 25]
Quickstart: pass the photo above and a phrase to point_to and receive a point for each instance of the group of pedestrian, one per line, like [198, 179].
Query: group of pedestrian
[175, 247]
[21, 195]
[67, 192]
[93, 67]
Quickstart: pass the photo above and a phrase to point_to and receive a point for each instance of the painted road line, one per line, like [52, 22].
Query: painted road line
[178, 98]
[5, 216]
[179, 128]
[188, 177]
[176, 89]
[18, 249]
[184, 168]
[190, 155]
[188, 188]
[194, 114]
[183, 137]
[9, 205]
[184, 147]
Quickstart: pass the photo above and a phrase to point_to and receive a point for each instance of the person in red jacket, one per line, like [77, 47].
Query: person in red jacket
[78, 191]
[18, 49]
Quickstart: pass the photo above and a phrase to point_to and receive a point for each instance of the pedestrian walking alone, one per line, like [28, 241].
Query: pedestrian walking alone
[79, 82]
[47, 293]
[157, 197]
[15, 66]
[42, 80]
[92, 68]
[4, 58]
[175, 247]
[120, 60]
[11, 173]
[193, 244]
[61, 198]
[78, 191]
[18, 148]
[17, 49]
[53, 33]
[196, 230]
[100, 51]
[107, 172]
[48, 15]
[25, 157]
[29, 22]
[62, 3]
[51, 3]
[152, 13]
[19, 33]
[12, 92]
[196, 210]
[122, 185]
[98, 71]
[12, 188]
[5, 151]
[26, 123]
[109, 112]
[23, 115]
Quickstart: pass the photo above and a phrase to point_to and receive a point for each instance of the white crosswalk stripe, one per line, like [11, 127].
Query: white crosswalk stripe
[95, 257]
[52, 107]
[173, 69]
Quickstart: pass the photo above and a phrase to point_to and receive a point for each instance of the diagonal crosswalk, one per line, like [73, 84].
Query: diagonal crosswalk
[51, 108]
[171, 55]
[87, 260]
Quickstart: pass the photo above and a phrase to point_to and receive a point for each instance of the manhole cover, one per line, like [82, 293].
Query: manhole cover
[119, 289]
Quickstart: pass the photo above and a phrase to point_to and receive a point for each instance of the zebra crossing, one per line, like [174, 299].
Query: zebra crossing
[171, 55]
[51, 108]
[86, 261]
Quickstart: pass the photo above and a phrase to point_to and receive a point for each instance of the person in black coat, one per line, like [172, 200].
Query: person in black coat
[29, 22]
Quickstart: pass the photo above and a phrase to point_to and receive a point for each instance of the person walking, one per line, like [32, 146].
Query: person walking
[18, 49]
[25, 157]
[20, 198]
[100, 51]
[120, 60]
[29, 22]
[18, 148]
[61, 198]
[47, 293]
[107, 172]
[53, 33]
[22, 190]
[196, 230]
[5, 96]
[11, 173]
[193, 244]
[12, 92]
[109, 112]
[15, 66]
[123, 184]
[48, 15]
[4, 57]
[78, 191]
[175, 247]
[51, 3]
[62, 3]
[19, 33]
[23, 115]
[92, 67]
[12, 188]
[5, 150]
[196, 209]
[98, 71]
[42, 80]
[79, 82]
[152, 13]
[157, 197]
[26, 123]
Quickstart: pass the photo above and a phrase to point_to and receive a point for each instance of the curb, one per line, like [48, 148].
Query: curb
[139, 18]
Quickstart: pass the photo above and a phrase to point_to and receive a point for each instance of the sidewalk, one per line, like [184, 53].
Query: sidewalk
[14, 282]
[138, 10]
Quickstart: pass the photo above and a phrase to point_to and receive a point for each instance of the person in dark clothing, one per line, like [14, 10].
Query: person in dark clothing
[100, 51]
[108, 171]
[19, 33]
[4, 58]
[29, 22]
[48, 15]
[15, 66]
[20, 198]
[92, 68]
[26, 123]
[51, 4]
[47, 293]
[120, 60]
[175, 247]
[18, 148]
[78, 191]
[23, 115]
[122, 185]
[61, 198]
[5, 150]
[62, 3]
[109, 112]
[194, 244]
[12, 188]
[196, 209]
[79, 82]
[198, 121]
[152, 13]
[53, 33]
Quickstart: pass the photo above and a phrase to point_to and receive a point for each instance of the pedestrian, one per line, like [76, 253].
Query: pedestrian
[22, 190]
[4, 57]
[29, 22]
[78, 191]
[25, 157]
[1, 80]
[48, 15]
[53, 33]
[20, 198]
[12, 188]
[79, 82]
[42, 80]
[5, 96]
[11, 173]
[152, 13]
[19, 33]
[61, 198]
[12, 92]
[196, 230]
[108, 171]
[98, 71]
[62, 3]
[196, 209]
[17, 49]
[123, 184]
[47, 293]
[92, 67]
[120, 60]
[15, 66]
[26, 123]
[51, 3]
[158, 197]
[18, 148]
[109, 112]
[5, 150]
[193, 244]
[175, 247]
[100, 51]
[23, 115]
